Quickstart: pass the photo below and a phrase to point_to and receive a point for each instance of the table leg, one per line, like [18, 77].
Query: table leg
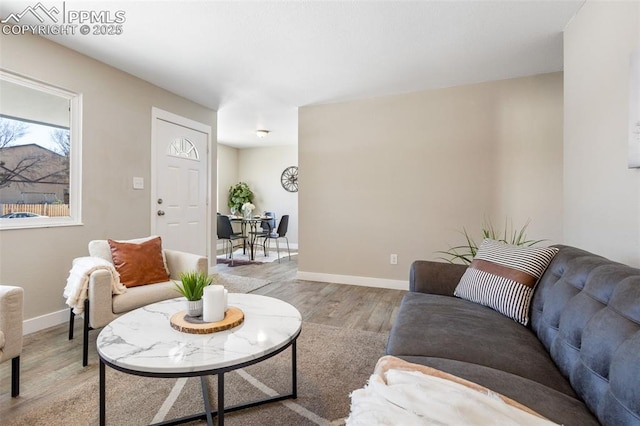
[294, 371]
[252, 240]
[243, 230]
[221, 399]
[102, 393]
[205, 398]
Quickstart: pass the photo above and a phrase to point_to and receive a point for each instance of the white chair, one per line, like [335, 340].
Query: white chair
[101, 306]
[11, 313]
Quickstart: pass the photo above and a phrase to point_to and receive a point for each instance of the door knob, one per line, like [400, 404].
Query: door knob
[160, 213]
[159, 200]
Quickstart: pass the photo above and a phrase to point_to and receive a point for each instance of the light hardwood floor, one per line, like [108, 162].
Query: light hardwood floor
[51, 363]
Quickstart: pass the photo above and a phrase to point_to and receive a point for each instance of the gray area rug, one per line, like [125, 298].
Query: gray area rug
[332, 362]
[238, 284]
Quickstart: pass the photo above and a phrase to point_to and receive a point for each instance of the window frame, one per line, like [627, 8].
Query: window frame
[75, 156]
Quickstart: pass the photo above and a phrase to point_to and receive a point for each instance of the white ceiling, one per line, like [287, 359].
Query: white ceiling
[257, 62]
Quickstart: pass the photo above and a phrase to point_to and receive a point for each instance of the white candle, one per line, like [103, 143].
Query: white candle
[213, 303]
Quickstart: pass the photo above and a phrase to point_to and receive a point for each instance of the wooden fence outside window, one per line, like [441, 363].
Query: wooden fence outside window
[51, 210]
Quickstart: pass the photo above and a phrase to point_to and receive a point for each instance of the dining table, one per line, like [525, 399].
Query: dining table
[249, 229]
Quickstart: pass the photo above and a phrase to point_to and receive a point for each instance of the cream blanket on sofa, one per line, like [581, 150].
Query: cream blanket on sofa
[401, 393]
[77, 287]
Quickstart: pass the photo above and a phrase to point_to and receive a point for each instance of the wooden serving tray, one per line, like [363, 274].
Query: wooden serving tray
[180, 321]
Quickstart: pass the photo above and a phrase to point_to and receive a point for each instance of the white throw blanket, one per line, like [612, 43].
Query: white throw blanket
[412, 398]
[77, 286]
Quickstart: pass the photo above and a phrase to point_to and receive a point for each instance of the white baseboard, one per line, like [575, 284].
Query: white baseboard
[52, 319]
[353, 280]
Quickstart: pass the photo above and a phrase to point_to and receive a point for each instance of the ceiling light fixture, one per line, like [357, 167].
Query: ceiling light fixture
[262, 133]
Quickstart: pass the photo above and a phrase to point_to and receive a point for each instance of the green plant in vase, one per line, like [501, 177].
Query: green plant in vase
[192, 286]
[239, 195]
[466, 252]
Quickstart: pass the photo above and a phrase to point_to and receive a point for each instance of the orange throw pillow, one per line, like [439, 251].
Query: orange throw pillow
[139, 263]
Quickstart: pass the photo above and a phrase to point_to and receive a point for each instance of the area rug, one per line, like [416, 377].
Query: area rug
[238, 284]
[238, 256]
[235, 262]
[332, 362]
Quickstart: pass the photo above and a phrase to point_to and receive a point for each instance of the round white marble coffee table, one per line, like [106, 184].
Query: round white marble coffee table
[142, 342]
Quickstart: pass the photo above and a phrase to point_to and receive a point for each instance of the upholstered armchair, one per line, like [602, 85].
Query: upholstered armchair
[11, 306]
[102, 303]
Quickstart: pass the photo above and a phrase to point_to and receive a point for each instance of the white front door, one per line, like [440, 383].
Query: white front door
[180, 178]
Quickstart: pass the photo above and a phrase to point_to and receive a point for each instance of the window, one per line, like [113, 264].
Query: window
[40, 147]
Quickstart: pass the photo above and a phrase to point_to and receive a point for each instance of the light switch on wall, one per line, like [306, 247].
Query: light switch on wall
[138, 182]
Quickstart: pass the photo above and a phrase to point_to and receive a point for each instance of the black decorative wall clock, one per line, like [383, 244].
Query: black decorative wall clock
[289, 179]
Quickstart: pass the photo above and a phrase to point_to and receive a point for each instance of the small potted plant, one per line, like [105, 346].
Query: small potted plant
[466, 252]
[192, 287]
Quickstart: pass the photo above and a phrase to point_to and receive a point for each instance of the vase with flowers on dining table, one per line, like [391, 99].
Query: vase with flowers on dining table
[247, 208]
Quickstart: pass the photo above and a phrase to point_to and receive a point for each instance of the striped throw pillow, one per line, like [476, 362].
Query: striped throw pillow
[503, 277]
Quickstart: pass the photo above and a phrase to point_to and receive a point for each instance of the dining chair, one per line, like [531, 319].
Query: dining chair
[266, 227]
[225, 232]
[283, 226]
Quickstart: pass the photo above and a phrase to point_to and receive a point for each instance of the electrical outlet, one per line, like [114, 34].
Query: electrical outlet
[138, 182]
[393, 259]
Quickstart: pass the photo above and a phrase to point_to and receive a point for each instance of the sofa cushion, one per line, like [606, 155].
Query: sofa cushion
[554, 405]
[137, 297]
[449, 327]
[139, 264]
[586, 311]
[503, 277]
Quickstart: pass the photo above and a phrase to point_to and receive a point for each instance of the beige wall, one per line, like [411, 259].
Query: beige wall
[227, 174]
[403, 174]
[116, 146]
[601, 195]
[261, 169]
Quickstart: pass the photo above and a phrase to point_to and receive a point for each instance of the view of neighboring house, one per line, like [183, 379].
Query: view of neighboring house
[32, 174]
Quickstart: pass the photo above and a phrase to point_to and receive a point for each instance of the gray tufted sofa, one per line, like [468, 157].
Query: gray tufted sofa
[578, 363]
